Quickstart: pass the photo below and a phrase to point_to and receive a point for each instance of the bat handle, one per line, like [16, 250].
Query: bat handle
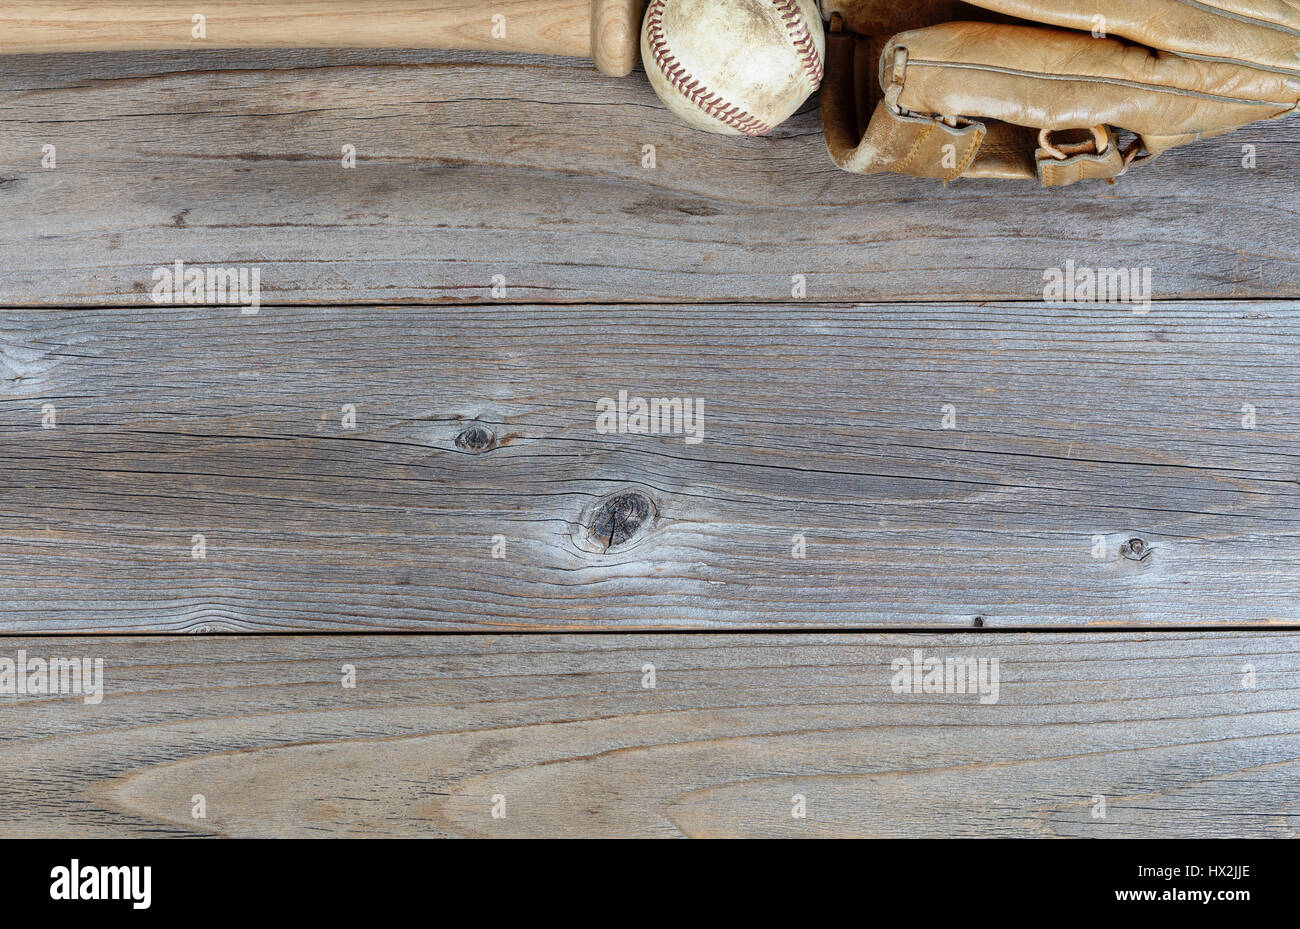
[607, 31]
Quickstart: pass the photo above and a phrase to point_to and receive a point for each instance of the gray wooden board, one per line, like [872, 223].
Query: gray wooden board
[1092, 735]
[824, 420]
[820, 422]
[472, 166]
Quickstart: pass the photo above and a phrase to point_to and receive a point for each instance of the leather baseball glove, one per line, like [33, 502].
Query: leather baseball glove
[1061, 90]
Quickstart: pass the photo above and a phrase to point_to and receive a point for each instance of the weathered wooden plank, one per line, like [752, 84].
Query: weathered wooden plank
[472, 166]
[1168, 729]
[476, 436]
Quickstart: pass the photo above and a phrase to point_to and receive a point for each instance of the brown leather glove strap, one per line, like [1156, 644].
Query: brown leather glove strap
[1097, 156]
[916, 145]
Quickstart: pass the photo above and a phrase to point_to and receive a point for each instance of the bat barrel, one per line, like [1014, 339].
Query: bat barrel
[604, 30]
[616, 35]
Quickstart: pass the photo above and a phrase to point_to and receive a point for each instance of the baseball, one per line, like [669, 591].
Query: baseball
[736, 67]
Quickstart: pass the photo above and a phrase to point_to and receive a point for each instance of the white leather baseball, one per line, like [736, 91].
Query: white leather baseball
[738, 67]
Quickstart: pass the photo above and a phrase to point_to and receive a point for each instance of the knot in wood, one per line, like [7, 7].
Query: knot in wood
[618, 518]
[475, 439]
[1135, 550]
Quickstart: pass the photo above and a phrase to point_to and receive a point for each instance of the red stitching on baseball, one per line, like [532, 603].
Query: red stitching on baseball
[727, 113]
[804, 44]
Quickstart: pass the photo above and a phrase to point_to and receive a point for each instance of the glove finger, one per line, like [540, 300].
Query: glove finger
[1261, 34]
[1050, 79]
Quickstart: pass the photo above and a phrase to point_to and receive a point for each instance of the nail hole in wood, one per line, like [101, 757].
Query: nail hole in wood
[979, 622]
[475, 439]
[617, 519]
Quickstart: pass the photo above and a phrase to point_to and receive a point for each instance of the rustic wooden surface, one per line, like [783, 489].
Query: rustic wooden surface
[1162, 727]
[471, 166]
[823, 419]
[820, 421]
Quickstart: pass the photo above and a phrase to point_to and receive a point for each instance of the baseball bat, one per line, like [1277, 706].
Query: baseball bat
[607, 31]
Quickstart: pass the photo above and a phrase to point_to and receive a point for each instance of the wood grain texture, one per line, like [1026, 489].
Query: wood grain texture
[477, 165]
[1163, 726]
[824, 422]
